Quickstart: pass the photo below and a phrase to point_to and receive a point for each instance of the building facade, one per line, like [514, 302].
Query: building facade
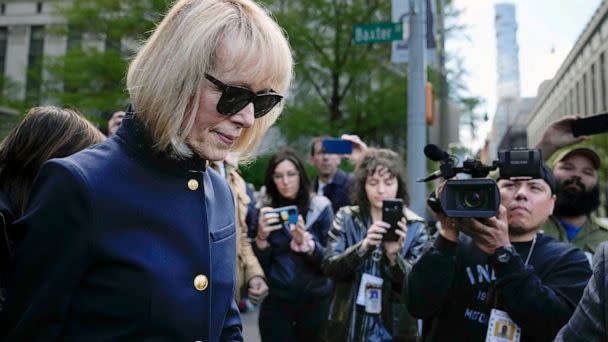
[580, 85]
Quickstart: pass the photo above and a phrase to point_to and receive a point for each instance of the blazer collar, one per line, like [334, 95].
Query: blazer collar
[139, 141]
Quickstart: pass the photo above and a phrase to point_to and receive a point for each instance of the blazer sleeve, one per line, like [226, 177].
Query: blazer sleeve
[589, 320]
[53, 256]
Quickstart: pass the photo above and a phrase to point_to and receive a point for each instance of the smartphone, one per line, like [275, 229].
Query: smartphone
[336, 146]
[287, 214]
[392, 212]
[590, 125]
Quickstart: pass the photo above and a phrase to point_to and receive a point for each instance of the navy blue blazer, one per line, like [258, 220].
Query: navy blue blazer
[125, 244]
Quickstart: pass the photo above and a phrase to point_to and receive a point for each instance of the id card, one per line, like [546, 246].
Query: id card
[373, 299]
[365, 280]
[501, 328]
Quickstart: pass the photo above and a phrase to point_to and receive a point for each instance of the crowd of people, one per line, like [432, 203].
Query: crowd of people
[153, 234]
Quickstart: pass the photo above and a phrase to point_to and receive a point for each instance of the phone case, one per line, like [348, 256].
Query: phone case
[392, 212]
[590, 125]
[337, 146]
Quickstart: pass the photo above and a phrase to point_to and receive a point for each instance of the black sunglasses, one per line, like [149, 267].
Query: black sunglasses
[235, 98]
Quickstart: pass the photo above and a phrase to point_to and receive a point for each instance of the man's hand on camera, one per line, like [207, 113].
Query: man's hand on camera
[448, 227]
[491, 233]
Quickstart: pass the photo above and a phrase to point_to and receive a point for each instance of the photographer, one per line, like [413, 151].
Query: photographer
[476, 266]
[291, 259]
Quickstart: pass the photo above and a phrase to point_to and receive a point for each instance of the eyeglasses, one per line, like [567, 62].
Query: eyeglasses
[235, 98]
[288, 175]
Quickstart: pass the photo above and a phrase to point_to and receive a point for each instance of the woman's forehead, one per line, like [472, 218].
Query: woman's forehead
[239, 65]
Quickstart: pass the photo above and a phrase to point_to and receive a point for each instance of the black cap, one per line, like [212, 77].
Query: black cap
[545, 174]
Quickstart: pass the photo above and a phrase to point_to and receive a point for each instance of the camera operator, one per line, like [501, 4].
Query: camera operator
[478, 265]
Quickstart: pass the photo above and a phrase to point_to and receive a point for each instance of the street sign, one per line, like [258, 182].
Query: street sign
[377, 33]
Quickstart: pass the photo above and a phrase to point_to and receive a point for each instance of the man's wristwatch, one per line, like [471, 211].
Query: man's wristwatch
[503, 254]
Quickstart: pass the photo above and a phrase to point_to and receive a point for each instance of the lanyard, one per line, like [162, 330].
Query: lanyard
[531, 249]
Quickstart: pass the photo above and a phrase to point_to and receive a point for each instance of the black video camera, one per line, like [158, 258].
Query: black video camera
[477, 197]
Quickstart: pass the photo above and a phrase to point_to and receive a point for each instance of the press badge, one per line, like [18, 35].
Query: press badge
[373, 298]
[501, 328]
[368, 281]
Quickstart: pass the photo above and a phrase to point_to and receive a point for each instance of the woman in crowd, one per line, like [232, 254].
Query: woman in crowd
[291, 254]
[44, 133]
[356, 255]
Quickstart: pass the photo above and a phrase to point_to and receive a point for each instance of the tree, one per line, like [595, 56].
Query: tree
[341, 87]
[101, 35]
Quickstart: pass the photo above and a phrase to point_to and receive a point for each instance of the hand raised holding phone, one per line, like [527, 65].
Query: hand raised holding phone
[268, 222]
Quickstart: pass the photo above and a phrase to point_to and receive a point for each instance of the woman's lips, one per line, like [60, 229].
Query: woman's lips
[226, 138]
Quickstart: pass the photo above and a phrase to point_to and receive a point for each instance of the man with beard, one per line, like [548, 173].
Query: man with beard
[578, 196]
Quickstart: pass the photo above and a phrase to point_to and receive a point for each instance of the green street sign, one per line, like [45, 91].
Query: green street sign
[377, 33]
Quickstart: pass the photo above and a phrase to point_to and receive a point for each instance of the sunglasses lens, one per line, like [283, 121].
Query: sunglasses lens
[264, 103]
[233, 100]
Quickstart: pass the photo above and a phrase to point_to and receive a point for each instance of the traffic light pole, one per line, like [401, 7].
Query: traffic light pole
[416, 126]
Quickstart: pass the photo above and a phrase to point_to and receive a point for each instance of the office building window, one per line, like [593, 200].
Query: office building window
[34, 65]
[2, 8]
[3, 40]
[584, 98]
[39, 7]
[577, 97]
[603, 93]
[593, 89]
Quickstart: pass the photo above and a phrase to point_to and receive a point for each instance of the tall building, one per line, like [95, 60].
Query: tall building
[508, 130]
[507, 51]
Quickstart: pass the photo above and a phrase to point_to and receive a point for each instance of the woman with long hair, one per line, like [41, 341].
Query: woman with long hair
[291, 254]
[43, 133]
[358, 258]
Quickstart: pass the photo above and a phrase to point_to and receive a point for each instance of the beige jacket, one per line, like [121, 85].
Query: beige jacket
[247, 263]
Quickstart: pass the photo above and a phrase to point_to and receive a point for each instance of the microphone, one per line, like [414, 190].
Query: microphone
[434, 153]
[430, 176]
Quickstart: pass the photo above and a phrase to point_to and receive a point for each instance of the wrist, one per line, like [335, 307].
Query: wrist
[261, 243]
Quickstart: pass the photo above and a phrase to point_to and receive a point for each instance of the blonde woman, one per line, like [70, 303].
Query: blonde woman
[131, 240]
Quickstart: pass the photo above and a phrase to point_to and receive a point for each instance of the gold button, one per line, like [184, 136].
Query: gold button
[193, 184]
[201, 282]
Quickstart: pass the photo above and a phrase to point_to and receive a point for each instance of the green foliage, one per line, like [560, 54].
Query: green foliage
[341, 87]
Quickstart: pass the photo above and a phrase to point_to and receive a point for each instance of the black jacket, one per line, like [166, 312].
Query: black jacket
[339, 190]
[450, 286]
[345, 266]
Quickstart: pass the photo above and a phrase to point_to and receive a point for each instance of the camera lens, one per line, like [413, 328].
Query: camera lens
[473, 199]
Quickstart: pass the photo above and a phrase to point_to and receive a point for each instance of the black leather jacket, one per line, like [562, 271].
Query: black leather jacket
[345, 266]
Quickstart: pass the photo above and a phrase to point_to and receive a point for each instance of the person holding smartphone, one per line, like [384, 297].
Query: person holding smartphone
[356, 240]
[291, 254]
[576, 169]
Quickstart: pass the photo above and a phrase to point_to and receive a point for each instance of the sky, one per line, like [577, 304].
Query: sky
[547, 31]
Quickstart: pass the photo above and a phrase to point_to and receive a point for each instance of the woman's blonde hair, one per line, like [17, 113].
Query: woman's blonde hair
[44, 133]
[166, 77]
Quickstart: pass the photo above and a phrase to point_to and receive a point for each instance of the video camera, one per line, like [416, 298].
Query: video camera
[477, 197]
